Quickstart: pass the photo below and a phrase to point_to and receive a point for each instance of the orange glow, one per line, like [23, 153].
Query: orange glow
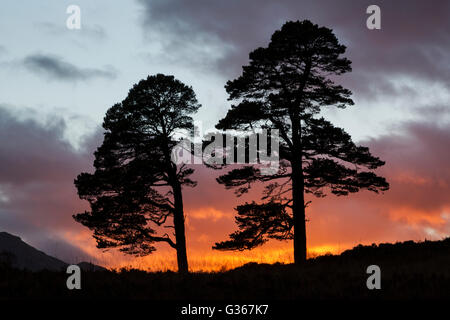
[207, 213]
[410, 178]
[199, 260]
[414, 217]
[214, 261]
[203, 259]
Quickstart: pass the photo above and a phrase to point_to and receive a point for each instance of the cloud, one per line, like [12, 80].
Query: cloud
[412, 42]
[27, 145]
[37, 169]
[56, 68]
[417, 164]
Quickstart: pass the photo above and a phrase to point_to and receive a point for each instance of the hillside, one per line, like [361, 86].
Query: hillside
[20, 255]
[408, 271]
[23, 256]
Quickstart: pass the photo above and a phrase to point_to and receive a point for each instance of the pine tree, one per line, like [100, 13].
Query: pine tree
[284, 87]
[136, 190]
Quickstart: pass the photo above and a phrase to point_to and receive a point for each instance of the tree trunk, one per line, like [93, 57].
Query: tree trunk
[178, 216]
[180, 235]
[298, 212]
[298, 186]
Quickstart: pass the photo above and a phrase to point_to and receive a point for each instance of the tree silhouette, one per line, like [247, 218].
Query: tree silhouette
[136, 188]
[284, 87]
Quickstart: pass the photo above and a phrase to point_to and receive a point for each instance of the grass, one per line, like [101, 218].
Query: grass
[409, 270]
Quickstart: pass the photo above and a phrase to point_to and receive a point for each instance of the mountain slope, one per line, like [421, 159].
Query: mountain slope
[21, 255]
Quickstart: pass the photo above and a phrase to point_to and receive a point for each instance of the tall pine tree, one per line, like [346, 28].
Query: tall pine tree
[136, 190]
[284, 87]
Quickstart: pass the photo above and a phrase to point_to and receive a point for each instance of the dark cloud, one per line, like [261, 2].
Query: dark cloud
[37, 169]
[434, 113]
[60, 247]
[413, 40]
[417, 162]
[56, 68]
[27, 145]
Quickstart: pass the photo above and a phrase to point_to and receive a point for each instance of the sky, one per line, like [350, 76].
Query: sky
[56, 85]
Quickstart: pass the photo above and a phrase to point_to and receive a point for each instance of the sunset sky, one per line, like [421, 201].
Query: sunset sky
[56, 85]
